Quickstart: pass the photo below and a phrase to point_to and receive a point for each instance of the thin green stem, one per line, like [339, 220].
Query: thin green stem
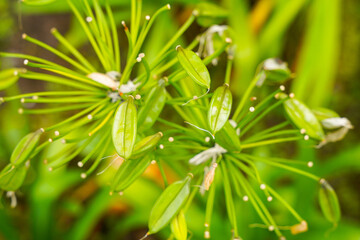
[268, 142]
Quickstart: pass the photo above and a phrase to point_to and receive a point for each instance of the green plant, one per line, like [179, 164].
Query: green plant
[122, 105]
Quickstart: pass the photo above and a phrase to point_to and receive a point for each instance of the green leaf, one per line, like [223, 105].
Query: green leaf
[208, 14]
[304, 118]
[37, 2]
[154, 104]
[227, 138]
[329, 202]
[9, 76]
[178, 226]
[169, 204]
[12, 177]
[25, 147]
[146, 144]
[125, 128]
[220, 108]
[193, 66]
[128, 172]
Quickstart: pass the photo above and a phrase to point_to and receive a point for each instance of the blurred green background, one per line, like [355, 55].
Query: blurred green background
[320, 39]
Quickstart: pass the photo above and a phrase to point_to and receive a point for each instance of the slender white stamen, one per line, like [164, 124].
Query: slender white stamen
[201, 129]
[112, 162]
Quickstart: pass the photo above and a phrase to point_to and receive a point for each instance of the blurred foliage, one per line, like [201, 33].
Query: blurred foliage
[321, 41]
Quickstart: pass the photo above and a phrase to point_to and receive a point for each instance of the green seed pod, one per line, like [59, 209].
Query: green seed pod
[220, 108]
[124, 128]
[169, 204]
[304, 118]
[9, 76]
[24, 148]
[324, 113]
[12, 177]
[208, 14]
[178, 226]
[329, 202]
[228, 138]
[193, 66]
[146, 144]
[154, 104]
[37, 2]
[128, 172]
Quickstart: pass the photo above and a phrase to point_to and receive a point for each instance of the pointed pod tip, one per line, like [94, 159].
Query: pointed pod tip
[178, 47]
[24, 35]
[53, 30]
[168, 6]
[161, 134]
